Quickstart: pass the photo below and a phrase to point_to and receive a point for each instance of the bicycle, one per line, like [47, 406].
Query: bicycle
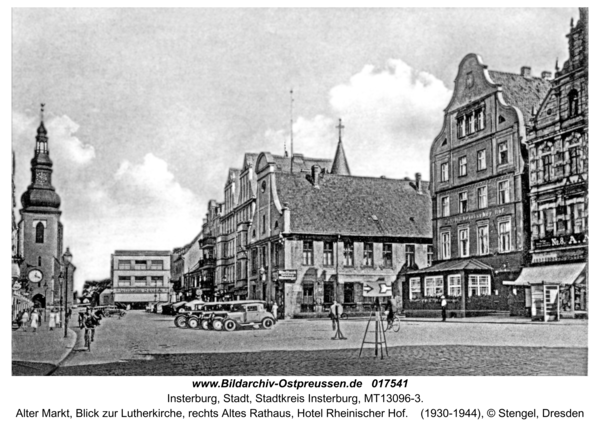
[395, 324]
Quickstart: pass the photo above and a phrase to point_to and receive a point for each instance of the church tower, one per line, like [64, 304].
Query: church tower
[40, 229]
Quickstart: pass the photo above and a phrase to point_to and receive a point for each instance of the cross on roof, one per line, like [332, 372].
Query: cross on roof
[340, 127]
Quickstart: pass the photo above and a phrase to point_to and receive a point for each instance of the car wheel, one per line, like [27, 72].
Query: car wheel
[205, 324]
[180, 310]
[267, 323]
[229, 325]
[181, 322]
[217, 324]
[193, 322]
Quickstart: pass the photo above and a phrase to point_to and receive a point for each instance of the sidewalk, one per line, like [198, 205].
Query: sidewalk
[44, 346]
[468, 320]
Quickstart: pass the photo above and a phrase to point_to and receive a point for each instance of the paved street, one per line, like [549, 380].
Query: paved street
[146, 344]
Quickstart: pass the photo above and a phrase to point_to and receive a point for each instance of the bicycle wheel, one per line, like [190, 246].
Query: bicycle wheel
[396, 324]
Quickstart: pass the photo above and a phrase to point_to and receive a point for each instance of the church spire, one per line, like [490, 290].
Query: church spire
[41, 139]
[340, 164]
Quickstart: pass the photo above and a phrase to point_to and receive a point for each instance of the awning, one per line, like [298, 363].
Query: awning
[570, 273]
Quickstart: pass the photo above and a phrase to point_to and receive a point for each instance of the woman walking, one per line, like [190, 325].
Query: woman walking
[35, 320]
[52, 322]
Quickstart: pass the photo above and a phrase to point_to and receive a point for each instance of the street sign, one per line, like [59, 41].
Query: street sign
[287, 275]
[377, 289]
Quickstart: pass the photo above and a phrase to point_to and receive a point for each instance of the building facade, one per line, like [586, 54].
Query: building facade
[43, 271]
[479, 185]
[141, 277]
[558, 178]
[317, 237]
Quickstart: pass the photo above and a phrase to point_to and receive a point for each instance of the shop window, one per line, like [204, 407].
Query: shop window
[454, 286]
[368, 254]
[349, 293]
[434, 286]
[328, 294]
[479, 285]
[415, 289]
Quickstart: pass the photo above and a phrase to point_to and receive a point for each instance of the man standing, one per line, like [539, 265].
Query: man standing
[444, 304]
[335, 312]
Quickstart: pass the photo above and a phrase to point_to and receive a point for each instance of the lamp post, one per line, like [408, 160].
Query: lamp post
[67, 257]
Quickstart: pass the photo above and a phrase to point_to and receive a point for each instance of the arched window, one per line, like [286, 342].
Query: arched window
[39, 233]
[573, 103]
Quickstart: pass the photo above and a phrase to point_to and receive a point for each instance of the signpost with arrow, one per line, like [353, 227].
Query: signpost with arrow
[377, 289]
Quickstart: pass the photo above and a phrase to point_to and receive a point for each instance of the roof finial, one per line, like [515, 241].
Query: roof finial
[572, 22]
[285, 152]
[556, 65]
[42, 111]
[340, 127]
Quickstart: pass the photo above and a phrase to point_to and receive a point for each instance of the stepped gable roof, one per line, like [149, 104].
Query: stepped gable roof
[525, 93]
[455, 265]
[359, 206]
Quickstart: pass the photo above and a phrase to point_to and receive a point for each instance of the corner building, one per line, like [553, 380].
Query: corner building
[480, 213]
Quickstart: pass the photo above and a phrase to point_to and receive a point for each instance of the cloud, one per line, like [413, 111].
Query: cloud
[61, 130]
[390, 116]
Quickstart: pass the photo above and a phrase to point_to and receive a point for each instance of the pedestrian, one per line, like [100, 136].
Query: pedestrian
[58, 320]
[335, 312]
[444, 304]
[389, 310]
[274, 309]
[52, 321]
[25, 319]
[35, 320]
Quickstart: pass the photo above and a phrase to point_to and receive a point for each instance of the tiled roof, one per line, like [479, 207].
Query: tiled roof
[350, 205]
[301, 163]
[455, 265]
[141, 253]
[525, 93]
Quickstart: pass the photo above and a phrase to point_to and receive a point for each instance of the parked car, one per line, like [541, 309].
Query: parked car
[179, 307]
[193, 312]
[109, 311]
[245, 313]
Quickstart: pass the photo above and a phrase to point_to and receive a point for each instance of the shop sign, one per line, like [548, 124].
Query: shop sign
[476, 216]
[285, 275]
[135, 290]
[377, 289]
[561, 241]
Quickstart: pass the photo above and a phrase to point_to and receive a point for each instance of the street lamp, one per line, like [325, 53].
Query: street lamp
[67, 257]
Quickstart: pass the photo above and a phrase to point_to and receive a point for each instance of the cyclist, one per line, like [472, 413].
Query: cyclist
[90, 321]
[389, 308]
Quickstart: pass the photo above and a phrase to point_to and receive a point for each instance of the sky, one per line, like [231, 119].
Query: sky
[146, 109]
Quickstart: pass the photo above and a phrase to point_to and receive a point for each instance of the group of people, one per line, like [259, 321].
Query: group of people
[33, 318]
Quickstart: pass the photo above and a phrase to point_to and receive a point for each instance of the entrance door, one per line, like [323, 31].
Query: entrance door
[551, 301]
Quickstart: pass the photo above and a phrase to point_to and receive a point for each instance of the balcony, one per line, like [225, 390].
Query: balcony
[208, 262]
[207, 242]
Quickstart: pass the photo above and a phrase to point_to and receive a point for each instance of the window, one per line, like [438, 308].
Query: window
[349, 292]
[479, 285]
[444, 172]
[502, 153]
[463, 238]
[39, 233]
[445, 239]
[573, 103]
[387, 255]
[348, 254]
[277, 253]
[414, 289]
[503, 197]
[471, 123]
[462, 202]
[140, 281]
[39, 261]
[482, 197]
[460, 124]
[308, 293]
[156, 281]
[307, 253]
[328, 294]
[429, 255]
[480, 120]
[124, 281]
[434, 286]
[254, 260]
[548, 216]
[124, 264]
[504, 236]
[481, 164]
[574, 156]
[462, 166]
[156, 265]
[483, 234]
[445, 206]
[328, 253]
[454, 285]
[409, 251]
[140, 265]
[264, 223]
[368, 254]
[263, 255]
[546, 166]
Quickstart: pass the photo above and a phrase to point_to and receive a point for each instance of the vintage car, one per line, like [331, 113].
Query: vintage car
[244, 313]
[192, 312]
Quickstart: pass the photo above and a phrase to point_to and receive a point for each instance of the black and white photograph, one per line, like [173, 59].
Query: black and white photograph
[341, 193]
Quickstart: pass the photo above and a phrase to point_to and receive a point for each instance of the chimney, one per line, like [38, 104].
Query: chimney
[546, 75]
[418, 181]
[316, 175]
[526, 71]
